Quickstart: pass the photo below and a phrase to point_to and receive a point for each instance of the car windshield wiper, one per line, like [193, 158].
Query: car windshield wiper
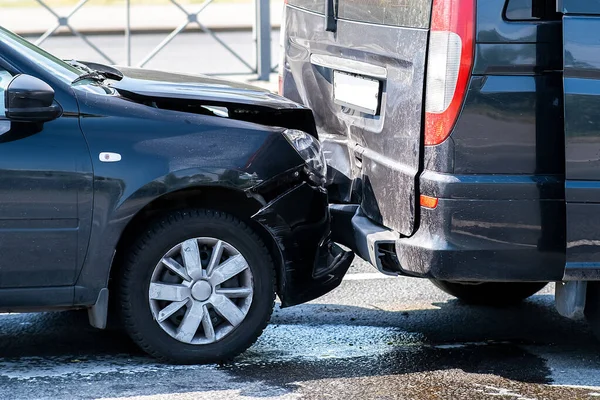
[79, 65]
[93, 75]
[95, 71]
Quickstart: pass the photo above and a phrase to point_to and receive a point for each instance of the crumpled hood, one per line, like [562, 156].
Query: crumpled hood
[166, 85]
[193, 93]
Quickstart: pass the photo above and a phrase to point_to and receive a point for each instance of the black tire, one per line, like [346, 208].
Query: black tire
[592, 307]
[160, 236]
[490, 293]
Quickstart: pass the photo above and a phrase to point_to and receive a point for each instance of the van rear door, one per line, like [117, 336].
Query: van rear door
[581, 42]
[360, 66]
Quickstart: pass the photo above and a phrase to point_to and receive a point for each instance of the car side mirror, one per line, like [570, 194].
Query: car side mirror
[29, 99]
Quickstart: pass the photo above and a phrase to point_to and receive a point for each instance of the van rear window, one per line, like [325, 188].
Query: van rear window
[531, 10]
[408, 13]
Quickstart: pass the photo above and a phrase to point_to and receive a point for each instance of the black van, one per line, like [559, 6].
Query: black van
[463, 138]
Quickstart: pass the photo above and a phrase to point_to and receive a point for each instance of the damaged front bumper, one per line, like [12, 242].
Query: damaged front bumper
[300, 224]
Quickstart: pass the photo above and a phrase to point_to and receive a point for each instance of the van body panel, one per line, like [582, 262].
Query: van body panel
[583, 241]
[501, 213]
[499, 177]
[587, 7]
[494, 27]
[510, 125]
[582, 139]
[511, 121]
[486, 240]
[375, 159]
[516, 58]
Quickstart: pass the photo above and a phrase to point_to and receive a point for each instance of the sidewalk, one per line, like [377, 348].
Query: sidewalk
[90, 19]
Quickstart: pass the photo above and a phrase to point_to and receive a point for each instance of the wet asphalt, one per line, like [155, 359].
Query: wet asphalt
[373, 337]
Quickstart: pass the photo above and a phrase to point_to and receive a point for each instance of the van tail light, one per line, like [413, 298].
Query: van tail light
[282, 39]
[449, 65]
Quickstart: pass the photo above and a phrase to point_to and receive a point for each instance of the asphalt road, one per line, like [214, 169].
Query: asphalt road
[188, 52]
[373, 337]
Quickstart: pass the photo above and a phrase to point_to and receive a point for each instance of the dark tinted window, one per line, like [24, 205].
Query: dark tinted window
[311, 5]
[531, 10]
[519, 10]
[409, 13]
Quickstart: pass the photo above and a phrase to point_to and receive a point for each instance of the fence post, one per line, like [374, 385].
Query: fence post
[263, 39]
[128, 33]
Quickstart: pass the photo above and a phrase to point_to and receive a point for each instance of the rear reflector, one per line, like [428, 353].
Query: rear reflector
[429, 202]
[450, 60]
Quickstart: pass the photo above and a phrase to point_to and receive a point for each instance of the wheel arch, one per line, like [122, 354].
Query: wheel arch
[230, 200]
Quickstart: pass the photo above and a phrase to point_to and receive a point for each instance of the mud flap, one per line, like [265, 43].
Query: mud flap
[570, 299]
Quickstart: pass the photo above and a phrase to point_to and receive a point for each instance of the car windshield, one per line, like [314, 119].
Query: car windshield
[52, 64]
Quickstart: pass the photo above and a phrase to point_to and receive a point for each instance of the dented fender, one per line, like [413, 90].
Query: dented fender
[299, 223]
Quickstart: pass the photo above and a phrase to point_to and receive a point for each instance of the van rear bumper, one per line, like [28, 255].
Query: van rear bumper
[485, 240]
[466, 239]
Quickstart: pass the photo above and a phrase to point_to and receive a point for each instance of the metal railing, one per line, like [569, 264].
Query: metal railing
[261, 65]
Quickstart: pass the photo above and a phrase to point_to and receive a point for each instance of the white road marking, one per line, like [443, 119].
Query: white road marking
[365, 276]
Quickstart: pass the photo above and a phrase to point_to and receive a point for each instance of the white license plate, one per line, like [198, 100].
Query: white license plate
[356, 92]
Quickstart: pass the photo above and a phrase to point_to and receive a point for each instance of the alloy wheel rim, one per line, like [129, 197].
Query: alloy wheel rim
[201, 290]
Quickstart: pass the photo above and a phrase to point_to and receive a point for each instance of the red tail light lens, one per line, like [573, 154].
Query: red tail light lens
[450, 61]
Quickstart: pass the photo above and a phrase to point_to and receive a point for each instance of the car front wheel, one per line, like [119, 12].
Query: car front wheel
[490, 293]
[197, 287]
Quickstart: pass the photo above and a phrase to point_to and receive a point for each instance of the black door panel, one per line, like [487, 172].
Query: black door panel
[45, 203]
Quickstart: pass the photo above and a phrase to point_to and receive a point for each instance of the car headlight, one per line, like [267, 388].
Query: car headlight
[310, 150]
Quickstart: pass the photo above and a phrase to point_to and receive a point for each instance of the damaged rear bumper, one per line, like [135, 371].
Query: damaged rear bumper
[300, 224]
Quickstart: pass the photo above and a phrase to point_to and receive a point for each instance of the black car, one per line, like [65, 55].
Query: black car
[183, 202]
[463, 138]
